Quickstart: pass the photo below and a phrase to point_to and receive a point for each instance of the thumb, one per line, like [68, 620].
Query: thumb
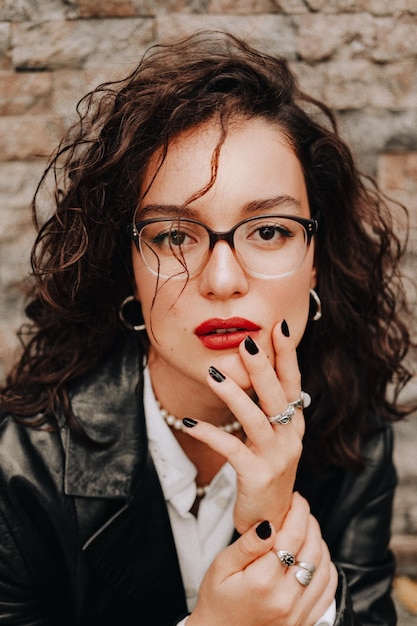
[255, 542]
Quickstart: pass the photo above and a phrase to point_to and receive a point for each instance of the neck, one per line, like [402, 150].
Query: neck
[187, 398]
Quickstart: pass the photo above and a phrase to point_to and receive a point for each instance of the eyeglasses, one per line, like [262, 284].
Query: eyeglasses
[265, 246]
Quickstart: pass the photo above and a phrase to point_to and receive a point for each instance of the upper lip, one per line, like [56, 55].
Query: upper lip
[231, 324]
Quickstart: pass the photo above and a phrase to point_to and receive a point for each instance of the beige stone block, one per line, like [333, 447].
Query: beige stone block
[375, 7]
[397, 176]
[31, 10]
[395, 38]
[18, 181]
[28, 137]
[156, 7]
[360, 83]
[254, 7]
[28, 93]
[106, 8]
[344, 36]
[341, 36]
[80, 43]
[5, 61]
[311, 78]
[273, 34]
[71, 85]
[390, 7]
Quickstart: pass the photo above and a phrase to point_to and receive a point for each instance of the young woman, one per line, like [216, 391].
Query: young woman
[199, 427]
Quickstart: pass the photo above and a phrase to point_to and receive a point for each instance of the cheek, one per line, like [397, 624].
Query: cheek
[292, 302]
[159, 300]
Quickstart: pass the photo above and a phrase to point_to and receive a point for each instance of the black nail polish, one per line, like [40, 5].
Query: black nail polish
[285, 329]
[251, 346]
[216, 375]
[189, 422]
[264, 530]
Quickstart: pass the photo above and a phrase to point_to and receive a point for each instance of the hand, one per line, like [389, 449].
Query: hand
[247, 584]
[266, 464]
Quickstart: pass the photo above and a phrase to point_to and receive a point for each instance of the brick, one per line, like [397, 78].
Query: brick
[375, 7]
[372, 131]
[4, 46]
[27, 10]
[349, 36]
[395, 39]
[397, 176]
[358, 84]
[28, 137]
[254, 7]
[106, 8]
[18, 182]
[22, 94]
[69, 86]
[274, 34]
[405, 549]
[79, 44]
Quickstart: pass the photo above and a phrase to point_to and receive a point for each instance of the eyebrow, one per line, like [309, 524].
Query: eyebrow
[254, 206]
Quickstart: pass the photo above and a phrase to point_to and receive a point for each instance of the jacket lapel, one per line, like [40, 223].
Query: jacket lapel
[127, 537]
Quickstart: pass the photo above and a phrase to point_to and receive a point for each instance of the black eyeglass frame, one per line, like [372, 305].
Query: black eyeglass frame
[310, 226]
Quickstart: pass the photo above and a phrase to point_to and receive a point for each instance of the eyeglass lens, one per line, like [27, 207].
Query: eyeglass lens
[267, 246]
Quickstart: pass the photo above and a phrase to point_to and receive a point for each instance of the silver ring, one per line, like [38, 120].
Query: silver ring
[283, 418]
[303, 401]
[309, 567]
[304, 577]
[286, 558]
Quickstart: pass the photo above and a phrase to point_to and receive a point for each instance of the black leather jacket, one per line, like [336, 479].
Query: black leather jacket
[85, 537]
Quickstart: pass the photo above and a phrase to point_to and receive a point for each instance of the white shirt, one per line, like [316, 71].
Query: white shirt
[197, 539]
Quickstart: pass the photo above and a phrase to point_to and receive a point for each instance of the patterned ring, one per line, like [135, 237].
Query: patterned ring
[284, 417]
[286, 557]
[304, 577]
[309, 567]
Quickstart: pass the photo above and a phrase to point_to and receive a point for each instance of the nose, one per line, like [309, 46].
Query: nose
[223, 277]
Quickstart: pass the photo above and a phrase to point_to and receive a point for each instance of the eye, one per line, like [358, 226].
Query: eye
[171, 236]
[268, 232]
[272, 233]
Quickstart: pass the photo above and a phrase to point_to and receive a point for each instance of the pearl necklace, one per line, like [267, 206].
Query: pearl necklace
[176, 423]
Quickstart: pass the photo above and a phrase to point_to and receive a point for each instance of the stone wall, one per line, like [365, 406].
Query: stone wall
[360, 56]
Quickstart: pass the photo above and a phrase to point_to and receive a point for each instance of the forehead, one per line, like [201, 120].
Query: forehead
[202, 169]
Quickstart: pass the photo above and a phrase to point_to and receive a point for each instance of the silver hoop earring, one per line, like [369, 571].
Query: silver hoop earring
[317, 301]
[129, 310]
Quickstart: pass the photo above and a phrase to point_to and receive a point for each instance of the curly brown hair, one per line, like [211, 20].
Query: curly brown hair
[81, 259]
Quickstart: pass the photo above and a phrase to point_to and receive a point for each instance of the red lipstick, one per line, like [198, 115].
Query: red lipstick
[220, 334]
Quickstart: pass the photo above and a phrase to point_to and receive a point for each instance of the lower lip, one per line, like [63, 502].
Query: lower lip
[223, 341]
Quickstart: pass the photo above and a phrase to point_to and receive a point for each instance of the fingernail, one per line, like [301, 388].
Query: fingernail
[251, 346]
[264, 530]
[285, 329]
[189, 422]
[216, 375]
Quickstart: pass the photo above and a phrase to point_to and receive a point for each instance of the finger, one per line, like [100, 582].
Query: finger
[254, 543]
[291, 536]
[249, 414]
[263, 377]
[288, 372]
[225, 444]
[286, 363]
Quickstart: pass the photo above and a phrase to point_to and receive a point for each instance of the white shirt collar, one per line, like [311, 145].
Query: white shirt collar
[176, 472]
